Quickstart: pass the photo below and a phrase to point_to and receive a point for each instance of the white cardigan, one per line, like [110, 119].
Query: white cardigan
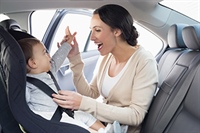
[129, 99]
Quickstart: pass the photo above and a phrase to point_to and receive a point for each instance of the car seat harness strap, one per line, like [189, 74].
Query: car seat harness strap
[47, 90]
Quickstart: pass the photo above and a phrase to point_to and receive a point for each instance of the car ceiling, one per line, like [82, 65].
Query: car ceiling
[145, 12]
[24, 5]
[139, 9]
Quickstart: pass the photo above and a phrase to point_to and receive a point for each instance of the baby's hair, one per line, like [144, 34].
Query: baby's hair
[26, 45]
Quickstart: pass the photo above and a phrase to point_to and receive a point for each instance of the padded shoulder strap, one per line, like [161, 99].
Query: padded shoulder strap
[46, 89]
[41, 85]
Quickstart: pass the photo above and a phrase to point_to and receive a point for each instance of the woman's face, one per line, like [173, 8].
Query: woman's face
[102, 35]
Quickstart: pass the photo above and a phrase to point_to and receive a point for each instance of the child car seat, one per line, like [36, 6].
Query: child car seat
[7, 121]
[14, 76]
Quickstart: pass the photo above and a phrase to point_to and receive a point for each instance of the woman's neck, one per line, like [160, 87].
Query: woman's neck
[123, 53]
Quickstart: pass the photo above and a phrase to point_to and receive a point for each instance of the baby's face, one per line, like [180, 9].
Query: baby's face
[42, 58]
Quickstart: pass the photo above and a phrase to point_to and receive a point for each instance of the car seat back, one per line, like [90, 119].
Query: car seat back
[176, 48]
[7, 121]
[170, 90]
[11, 26]
[187, 117]
[14, 68]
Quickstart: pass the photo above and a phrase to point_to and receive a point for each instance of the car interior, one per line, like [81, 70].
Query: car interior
[175, 107]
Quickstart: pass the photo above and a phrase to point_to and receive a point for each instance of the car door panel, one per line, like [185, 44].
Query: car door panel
[65, 74]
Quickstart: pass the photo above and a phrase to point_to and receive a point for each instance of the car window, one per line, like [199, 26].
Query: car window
[72, 19]
[148, 40]
[38, 26]
[81, 27]
[190, 8]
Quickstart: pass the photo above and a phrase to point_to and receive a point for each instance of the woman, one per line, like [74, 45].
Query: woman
[127, 75]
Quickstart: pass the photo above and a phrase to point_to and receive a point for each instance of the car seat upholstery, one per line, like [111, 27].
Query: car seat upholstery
[191, 36]
[14, 29]
[186, 118]
[7, 121]
[176, 48]
[14, 76]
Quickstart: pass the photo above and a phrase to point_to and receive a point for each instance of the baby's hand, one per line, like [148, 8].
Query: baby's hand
[68, 37]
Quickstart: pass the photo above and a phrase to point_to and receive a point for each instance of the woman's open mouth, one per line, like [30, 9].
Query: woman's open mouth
[100, 46]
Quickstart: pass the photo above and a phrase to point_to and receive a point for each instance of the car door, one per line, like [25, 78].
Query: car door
[78, 20]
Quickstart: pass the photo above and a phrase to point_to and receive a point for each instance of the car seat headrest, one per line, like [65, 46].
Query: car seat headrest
[174, 37]
[191, 36]
[20, 35]
[9, 24]
[14, 29]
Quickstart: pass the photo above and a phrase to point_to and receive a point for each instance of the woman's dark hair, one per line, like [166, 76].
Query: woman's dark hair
[118, 17]
[26, 45]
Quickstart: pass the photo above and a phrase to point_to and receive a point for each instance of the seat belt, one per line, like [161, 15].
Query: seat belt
[46, 89]
[68, 111]
[167, 116]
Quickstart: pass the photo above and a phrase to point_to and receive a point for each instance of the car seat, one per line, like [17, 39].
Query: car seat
[13, 74]
[14, 29]
[176, 48]
[175, 108]
[7, 121]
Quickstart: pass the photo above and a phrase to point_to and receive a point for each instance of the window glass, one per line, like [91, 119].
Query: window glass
[148, 40]
[190, 8]
[38, 26]
[81, 27]
[91, 46]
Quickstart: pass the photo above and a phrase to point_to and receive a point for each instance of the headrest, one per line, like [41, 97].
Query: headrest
[174, 37]
[20, 34]
[191, 36]
[14, 29]
[9, 24]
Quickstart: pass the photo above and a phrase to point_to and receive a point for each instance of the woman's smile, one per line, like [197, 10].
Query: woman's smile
[100, 46]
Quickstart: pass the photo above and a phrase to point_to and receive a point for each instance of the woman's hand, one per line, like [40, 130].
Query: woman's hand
[75, 49]
[68, 99]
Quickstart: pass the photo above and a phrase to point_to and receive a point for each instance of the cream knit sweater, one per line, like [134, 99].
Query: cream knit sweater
[129, 100]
